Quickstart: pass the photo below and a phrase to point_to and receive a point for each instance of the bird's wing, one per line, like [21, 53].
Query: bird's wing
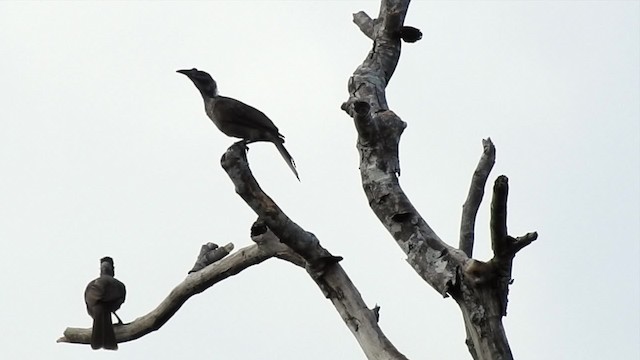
[114, 290]
[94, 292]
[246, 115]
[104, 289]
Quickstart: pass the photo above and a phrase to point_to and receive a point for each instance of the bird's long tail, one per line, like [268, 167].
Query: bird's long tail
[287, 157]
[102, 335]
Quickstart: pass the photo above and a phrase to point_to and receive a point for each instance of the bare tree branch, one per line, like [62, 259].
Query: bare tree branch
[366, 24]
[261, 234]
[210, 253]
[379, 131]
[195, 283]
[499, 216]
[522, 241]
[322, 266]
[479, 288]
[484, 289]
[234, 161]
[474, 198]
[504, 246]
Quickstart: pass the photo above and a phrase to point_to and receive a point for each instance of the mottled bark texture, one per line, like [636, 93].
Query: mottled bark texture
[322, 266]
[479, 288]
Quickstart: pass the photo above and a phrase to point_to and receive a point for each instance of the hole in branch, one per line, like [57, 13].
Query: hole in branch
[402, 217]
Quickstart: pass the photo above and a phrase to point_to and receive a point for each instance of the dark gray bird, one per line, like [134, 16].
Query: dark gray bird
[237, 119]
[104, 296]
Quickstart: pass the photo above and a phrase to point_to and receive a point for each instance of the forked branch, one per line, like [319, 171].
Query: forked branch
[321, 265]
[195, 283]
[479, 288]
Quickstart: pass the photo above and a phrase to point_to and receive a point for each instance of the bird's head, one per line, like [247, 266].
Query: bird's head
[106, 266]
[203, 81]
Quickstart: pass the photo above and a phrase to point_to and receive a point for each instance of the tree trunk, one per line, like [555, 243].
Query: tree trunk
[479, 288]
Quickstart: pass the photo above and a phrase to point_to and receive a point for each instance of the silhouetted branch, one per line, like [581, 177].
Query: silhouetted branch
[234, 161]
[522, 241]
[499, 216]
[321, 265]
[504, 246]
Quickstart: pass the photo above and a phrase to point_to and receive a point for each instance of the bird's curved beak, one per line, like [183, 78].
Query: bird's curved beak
[184, 72]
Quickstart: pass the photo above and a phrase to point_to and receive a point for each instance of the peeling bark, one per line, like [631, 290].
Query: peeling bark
[479, 288]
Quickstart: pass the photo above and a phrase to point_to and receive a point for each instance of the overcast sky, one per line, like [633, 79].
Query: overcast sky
[105, 150]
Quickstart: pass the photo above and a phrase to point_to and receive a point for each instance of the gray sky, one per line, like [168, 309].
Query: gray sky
[105, 150]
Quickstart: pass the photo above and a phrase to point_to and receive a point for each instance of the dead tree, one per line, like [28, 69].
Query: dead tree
[479, 288]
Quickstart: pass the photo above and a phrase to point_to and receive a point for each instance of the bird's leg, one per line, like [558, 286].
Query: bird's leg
[118, 317]
[244, 144]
